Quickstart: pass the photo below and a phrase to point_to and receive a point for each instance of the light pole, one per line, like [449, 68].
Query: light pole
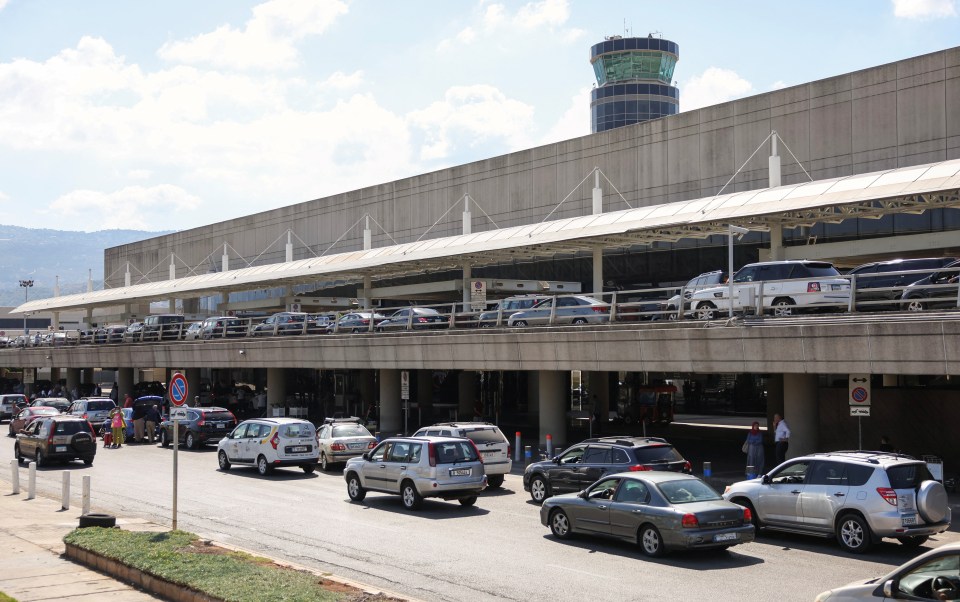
[26, 284]
[738, 231]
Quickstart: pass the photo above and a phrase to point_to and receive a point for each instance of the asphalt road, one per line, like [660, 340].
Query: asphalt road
[497, 550]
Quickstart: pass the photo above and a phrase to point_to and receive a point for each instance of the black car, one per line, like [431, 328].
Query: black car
[588, 461]
[284, 322]
[202, 426]
[415, 318]
[880, 284]
[62, 438]
[938, 290]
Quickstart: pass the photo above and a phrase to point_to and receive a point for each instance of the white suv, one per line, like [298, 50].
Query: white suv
[493, 445]
[8, 405]
[268, 443]
[782, 287]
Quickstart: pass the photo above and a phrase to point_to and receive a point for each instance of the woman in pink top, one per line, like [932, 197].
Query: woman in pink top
[118, 425]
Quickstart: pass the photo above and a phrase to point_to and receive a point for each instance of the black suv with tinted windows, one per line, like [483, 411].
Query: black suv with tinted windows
[588, 461]
[56, 438]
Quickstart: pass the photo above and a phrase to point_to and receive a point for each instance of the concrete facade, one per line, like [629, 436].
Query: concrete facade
[894, 115]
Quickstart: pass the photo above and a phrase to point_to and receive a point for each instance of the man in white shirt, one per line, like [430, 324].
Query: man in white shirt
[781, 437]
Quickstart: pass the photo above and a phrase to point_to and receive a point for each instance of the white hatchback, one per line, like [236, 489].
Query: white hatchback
[268, 443]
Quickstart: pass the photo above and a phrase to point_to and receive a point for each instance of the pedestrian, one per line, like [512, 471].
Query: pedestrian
[118, 425]
[139, 420]
[152, 419]
[885, 445]
[754, 448]
[128, 401]
[115, 392]
[781, 437]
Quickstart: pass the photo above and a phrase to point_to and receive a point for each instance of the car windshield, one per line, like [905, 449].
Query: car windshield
[70, 427]
[686, 491]
[484, 435]
[94, 406]
[658, 453]
[449, 452]
[43, 412]
[350, 430]
[294, 431]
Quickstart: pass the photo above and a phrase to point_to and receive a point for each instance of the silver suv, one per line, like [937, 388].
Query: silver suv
[858, 496]
[493, 445]
[93, 409]
[418, 467]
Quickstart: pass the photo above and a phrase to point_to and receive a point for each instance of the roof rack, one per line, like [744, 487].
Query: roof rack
[350, 419]
[624, 440]
[872, 454]
[463, 422]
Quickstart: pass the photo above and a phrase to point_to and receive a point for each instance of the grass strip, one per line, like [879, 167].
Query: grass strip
[184, 559]
[5, 598]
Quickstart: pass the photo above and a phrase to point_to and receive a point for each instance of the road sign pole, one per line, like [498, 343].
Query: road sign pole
[176, 446]
[859, 432]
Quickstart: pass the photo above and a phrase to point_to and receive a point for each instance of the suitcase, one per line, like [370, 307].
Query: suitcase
[107, 438]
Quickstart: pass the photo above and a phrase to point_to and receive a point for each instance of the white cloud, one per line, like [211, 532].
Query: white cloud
[778, 85]
[139, 174]
[3, 3]
[267, 41]
[574, 122]
[3, 197]
[547, 15]
[341, 81]
[713, 86]
[468, 116]
[924, 9]
[550, 13]
[132, 207]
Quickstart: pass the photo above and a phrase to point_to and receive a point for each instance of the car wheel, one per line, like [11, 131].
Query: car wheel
[263, 467]
[486, 325]
[324, 465]
[914, 541]
[579, 321]
[560, 524]
[706, 311]
[783, 307]
[651, 542]
[915, 305]
[853, 533]
[41, 461]
[164, 439]
[538, 489]
[223, 460]
[412, 500]
[354, 489]
[468, 501]
[87, 461]
[672, 315]
[495, 481]
[520, 323]
[190, 441]
[308, 468]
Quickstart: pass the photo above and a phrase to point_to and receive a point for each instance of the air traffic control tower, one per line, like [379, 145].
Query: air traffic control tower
[634, 81]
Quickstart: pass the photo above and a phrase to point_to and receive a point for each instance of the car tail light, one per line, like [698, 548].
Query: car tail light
[432, 452]
[813, 287]
[599, 309]
[640, 468]
[50, 438]
[371, 445]
[338, 447]
[689, 521]
[201, 422]
[509, 451]
[889, 495]
[421, 319]
[687, 467]
[275, 440]
[364, 321]
[747, 515]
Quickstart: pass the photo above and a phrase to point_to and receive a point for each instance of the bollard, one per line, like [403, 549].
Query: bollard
[15, 476]
[751, 472]
[86, 494]
[707, 469]
[32, 481]
[527, 454]
[65, 491]
[549, 446]
[517, 449]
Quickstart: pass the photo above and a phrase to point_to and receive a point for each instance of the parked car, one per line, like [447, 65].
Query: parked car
[318, 323]
[592, 459]
[28, 415]
[489, 439]
[163, 327]
[224, 327]
[670, 309]
[94, 409]
[859, 497]
[61, 438]
[415, 318]
[62, 404]
[284, 322]
[938, 290]
[201, 427]
[357, 321]
[787, 286]
[417, 468]
[879, 285]
[659, 511]
[11, 403]
[192, 333]
[269, 443]
[641, 306]
[506, 308]
[579, 309]
[933, 575]
[112, 333]
[133, 333]
[340, 439]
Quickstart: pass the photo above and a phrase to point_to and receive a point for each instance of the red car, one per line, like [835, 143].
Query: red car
[28, 415]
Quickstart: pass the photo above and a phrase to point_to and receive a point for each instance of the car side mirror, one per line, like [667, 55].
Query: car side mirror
[556, 459]
[765, 479]
[582, 494]
[366, 456]
[888, 588]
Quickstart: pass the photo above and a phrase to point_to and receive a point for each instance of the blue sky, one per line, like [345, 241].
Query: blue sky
[157, 116]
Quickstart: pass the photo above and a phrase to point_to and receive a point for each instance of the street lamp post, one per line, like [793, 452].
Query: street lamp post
[26, 284]
[733, 231]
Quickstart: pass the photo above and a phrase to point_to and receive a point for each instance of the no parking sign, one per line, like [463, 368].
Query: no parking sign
[178, 389]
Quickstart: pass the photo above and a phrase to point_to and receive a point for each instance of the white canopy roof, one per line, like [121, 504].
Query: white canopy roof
[904, 190]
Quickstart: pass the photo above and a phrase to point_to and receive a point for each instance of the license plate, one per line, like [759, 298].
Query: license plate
[355, 445]
[908, 519]
[836, 287]
[725, 537]
[219, 425]
[461, 472]
[298, 449]
[61, 448]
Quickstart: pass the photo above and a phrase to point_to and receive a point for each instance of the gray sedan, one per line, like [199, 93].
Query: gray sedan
[578, 309]
[659, 511]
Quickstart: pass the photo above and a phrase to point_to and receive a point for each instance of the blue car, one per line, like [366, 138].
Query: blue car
[128, 432]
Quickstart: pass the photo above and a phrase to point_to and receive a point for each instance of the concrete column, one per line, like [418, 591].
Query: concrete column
[191, 306]
[467, 394]
[56, 320]
[86, 375]
[553, 407]
[801, 410]
[599, 388]
[172, 305]
[391, 407]
[365, 384]
[467, 291]
[54, 375]
[776, 242]
[276, 389]
[73, 379]
[193, 383]
[124, 383]
[533, 392]
[363, 295]
[598, 273]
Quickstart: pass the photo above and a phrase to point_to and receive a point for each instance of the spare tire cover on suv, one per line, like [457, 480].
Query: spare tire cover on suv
[83, 442]
[932, 501]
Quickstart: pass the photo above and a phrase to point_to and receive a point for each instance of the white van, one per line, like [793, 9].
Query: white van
[268, 443]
